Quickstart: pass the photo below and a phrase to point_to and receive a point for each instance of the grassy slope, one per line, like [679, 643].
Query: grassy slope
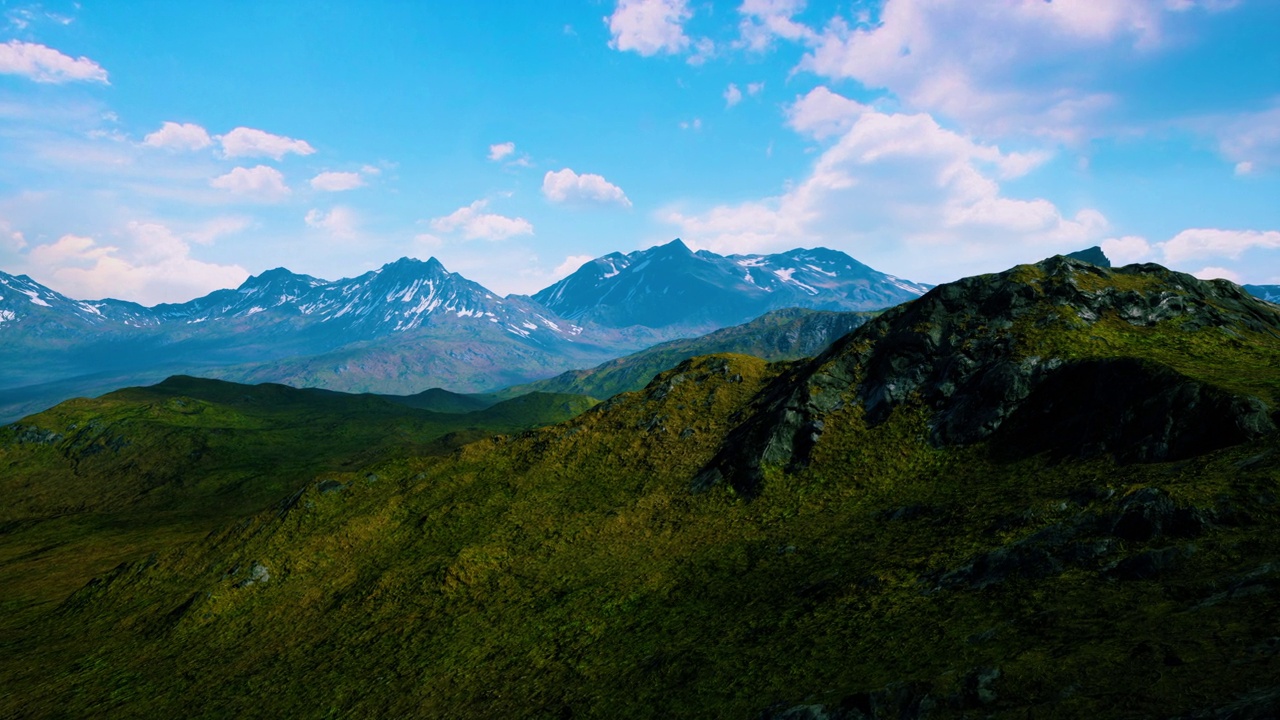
[143, 468]
[569, 571]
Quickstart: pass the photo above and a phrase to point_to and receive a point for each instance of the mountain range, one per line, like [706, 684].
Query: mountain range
[410, 325]
[672, 286]
[1050, 491]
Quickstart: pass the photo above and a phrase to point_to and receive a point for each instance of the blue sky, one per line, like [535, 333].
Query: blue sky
[155, 151]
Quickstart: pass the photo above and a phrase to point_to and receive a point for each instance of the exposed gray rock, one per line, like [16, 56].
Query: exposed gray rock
[1088, 541]
[1151, 564]
[258, 574]
[32, 435]
[956, 352]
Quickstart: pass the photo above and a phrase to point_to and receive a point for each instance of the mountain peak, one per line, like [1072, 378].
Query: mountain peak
[670, 286]
[268, 277]
[675, 248]
[1091, 255]
[410, 262]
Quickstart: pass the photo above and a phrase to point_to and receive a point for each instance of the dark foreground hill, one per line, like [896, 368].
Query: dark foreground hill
[1049, 492]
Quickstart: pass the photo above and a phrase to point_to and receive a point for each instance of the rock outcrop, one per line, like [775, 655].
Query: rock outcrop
[976, 351]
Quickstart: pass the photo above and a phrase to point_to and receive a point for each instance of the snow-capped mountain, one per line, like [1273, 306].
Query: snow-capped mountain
[408, 325]
[671, 285]
[405, 327]
[400, 297]
[25, 300]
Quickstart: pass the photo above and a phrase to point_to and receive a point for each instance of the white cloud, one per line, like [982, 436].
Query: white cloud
[900, 190]
[764, 20]
[732, 95]
[755, 88]
[46, 65]
[1125, 250]
[703, 50]
[1217, 273]
[501, 150]
[649, 27]
[695, 124]
[1250, 140]
[156, 267]
[568, 186]
[941, 56]
[1198, 243]
[10, 239]
[570, 266]
[176, 136]
[340, 222]
[337, 181]
[822, 113]
[248, 142]
[260, 181]
[475, 224]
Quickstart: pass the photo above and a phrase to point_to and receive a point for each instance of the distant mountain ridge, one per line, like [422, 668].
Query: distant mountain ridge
[788, 334]
[673, 285]
[410, 324]
[1270, 293]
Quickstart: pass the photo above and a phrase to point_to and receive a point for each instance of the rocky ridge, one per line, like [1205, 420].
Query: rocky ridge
[987, 352]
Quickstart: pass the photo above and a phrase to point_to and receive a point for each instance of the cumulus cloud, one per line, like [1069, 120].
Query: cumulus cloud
[649, 27]
[570, 266]
[260, 181]
[1196, 243]
[248, 142]
[179, 136]
[732, 95]
[764, 20]
[898, 189]
[155, 267]
[568, 186]
[501, 150]
[340, 222]
[1217, 273]
[938, 56]
[1126, 250]
[337, 181]
[475, 224]
[45, 65]
[822, 113]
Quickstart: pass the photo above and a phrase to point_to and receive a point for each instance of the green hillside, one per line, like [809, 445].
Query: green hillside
[91, 482]
[1052, 492]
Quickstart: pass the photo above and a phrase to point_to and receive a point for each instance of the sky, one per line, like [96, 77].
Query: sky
[155, 151]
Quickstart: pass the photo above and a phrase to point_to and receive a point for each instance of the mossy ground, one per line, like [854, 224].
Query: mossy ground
[92, 483]
[570, 572]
